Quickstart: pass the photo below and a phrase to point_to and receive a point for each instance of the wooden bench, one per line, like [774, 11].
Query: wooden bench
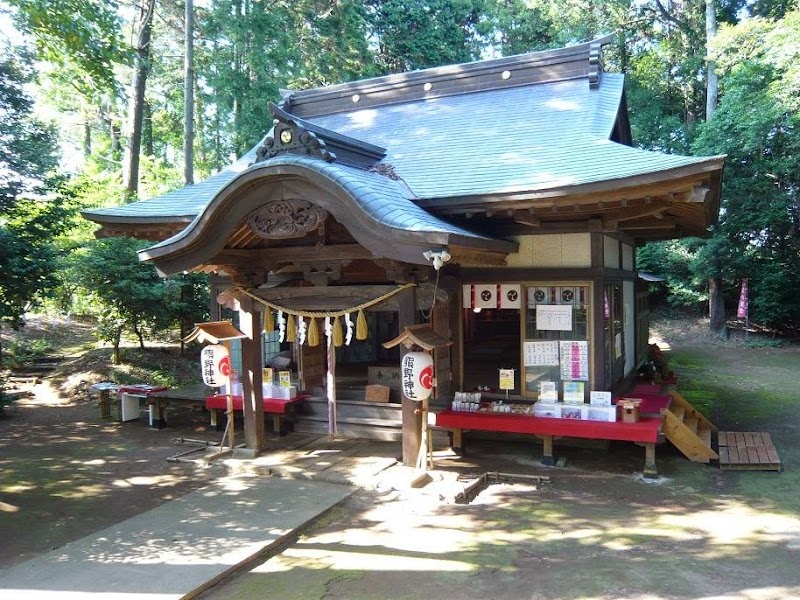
[646, 432]
[278, 408]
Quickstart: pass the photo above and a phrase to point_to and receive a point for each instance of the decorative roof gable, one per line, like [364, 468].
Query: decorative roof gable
[291, 134]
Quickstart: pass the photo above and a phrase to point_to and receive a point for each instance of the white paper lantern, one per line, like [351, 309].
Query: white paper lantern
[416, 371]
[215, 365]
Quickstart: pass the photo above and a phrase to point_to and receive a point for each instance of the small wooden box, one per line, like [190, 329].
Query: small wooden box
[629, 410]
[377, 393]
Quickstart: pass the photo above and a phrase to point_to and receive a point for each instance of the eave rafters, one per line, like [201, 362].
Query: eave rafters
[648, 211]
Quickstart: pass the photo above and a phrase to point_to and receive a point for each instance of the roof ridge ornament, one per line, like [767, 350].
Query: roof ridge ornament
[289, 136]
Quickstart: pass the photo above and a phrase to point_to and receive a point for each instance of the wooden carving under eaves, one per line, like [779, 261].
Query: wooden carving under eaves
[419, 335]
[291, 134]
[286, 218]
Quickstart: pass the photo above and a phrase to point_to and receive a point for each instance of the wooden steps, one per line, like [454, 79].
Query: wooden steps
[747, 451]
[357, 419]
[691, 433]
[688, 430]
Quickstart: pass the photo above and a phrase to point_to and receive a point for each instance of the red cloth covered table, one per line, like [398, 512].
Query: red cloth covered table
[277, 407]
[647, 431]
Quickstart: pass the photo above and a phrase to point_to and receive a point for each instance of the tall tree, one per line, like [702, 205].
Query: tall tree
[718, 322]
[756, 124]
[188, 95]
[130, 174]
[28, 220]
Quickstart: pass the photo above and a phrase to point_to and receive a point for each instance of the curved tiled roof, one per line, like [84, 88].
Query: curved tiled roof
[460, 138]
[378, 210]
[511, 140]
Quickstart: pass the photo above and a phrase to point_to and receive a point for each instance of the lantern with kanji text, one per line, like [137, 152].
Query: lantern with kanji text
[215, 365]
[416, 374]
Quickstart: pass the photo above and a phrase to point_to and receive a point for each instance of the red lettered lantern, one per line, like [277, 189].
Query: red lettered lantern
[215, 365]
[416, 373]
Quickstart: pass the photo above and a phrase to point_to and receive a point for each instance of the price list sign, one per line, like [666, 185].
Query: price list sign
[574, 361]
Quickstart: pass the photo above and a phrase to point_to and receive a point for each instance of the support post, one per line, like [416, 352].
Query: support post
[330, 384]
[547, 451]
[650, 470]
[252, 399]
[412, 418]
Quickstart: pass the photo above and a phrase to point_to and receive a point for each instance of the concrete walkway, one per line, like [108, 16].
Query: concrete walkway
[179, 548]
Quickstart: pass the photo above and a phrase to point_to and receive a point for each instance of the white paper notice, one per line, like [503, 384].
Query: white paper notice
[554, 317]
[541, 354]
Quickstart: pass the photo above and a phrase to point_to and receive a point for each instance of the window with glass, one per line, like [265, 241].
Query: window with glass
[555, 347]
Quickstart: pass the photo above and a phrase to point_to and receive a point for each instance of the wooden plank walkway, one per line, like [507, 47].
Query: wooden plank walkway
[747, 451]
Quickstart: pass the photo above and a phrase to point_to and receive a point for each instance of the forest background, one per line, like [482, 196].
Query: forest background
[105, 102]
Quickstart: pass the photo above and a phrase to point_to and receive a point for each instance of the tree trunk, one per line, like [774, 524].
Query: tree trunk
[87, 138]
[116, 136]
[716, 309]
[716, 305]
[130, 175]
[139, 335]
[147, 131]
[116, 356]
[712, 86]
[188, 96]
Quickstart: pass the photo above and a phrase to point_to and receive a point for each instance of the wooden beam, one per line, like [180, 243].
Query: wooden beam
[525, 217]
[632, 213]
[292, 254]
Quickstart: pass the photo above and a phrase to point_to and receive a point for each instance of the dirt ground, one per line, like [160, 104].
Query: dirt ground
[595, 530]
[65, 473]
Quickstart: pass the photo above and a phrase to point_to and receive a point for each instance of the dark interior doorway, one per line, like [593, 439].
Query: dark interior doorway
[491, 342]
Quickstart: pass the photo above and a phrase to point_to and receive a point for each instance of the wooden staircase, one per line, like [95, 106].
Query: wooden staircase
[357, 419]
[688, 430]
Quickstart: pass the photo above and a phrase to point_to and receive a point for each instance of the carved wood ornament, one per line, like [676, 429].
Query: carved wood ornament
[285, 219]
[294, 138]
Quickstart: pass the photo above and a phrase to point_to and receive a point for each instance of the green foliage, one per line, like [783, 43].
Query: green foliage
[83, 33]
[131, 296]
[516, 27]
[28, 220]
[757, 124]
[17, 354]
[417, 34]
[675, 261]
[28, 152]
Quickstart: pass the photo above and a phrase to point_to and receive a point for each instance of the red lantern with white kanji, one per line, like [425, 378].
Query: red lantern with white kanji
[416, 374]
[215, 365]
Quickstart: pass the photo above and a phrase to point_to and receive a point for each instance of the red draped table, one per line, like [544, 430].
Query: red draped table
[647, 431]
[278, 408]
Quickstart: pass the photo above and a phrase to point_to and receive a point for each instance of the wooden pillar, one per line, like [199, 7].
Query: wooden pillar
[412, 418]
[251, 376]
[330, 385]
[547, 450]
[598, 371]
[650, 470]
